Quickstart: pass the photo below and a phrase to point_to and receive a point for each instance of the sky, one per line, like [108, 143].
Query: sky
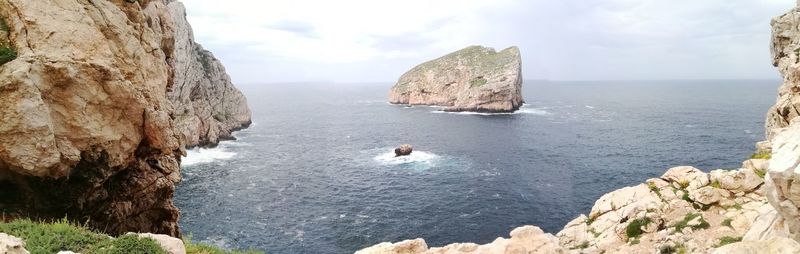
[345, 41]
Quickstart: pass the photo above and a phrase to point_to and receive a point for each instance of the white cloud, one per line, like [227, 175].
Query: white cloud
[361, 40]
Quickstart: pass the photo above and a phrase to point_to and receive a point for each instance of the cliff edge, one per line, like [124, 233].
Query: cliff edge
[472, 79]
[90, 115]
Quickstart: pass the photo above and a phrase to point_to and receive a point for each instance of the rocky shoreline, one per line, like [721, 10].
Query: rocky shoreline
[754, 209]
[98, 107]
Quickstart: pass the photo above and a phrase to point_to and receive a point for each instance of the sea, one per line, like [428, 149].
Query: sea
[316, 173]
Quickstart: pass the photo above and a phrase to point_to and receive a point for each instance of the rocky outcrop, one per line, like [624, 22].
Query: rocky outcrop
[403, 150]
[208, 107]
[785, 56]
[12, 245]
[528, 239]
[88, 130]
[782, 218]
[472, 79]
[778, 245]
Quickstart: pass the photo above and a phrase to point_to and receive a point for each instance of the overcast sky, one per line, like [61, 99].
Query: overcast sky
[377, 41]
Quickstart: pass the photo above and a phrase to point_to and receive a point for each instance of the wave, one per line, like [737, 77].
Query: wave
[416, 157]
[199, 156]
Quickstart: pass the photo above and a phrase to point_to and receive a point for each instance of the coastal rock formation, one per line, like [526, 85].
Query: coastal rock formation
[208, 107]
[87, 129]
[785, 42]
[528, 239]
[403, 150]
[472, 79]
[689, 211]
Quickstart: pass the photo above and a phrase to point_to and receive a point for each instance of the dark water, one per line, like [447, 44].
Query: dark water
[313, 174]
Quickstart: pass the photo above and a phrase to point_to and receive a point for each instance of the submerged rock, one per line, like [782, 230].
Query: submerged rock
[403, 150]
[472, 79]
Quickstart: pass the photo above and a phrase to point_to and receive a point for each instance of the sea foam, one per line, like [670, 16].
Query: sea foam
[389, 158]
[206, 155]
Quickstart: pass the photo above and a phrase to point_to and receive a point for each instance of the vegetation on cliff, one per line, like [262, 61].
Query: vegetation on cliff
[61, 235]
[7, 51]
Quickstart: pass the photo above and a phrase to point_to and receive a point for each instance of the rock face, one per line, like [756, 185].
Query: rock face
[87, 127]
[785, 41]
[472, 79]
[208, 107]
[782, 218]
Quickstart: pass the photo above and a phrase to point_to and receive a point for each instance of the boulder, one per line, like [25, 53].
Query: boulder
[472, 79]
[170, 244]
[403, 150]
[12, 245]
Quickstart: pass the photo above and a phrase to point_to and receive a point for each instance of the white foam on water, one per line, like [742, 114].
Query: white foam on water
[206, 155]
[589, 107]
[389, 158]
[522, 110]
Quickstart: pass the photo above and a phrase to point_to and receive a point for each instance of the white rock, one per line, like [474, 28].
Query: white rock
[778, 245]
[170, 244]
[11, 245]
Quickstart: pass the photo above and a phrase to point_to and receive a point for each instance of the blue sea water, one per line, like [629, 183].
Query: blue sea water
[315, 173]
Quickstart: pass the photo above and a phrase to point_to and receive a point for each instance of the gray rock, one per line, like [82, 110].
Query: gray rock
[208, 107]
[472, 79]
[403, 150]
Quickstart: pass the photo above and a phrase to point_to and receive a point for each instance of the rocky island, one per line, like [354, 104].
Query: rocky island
[476, 78]
[753, 209]
[99, 101]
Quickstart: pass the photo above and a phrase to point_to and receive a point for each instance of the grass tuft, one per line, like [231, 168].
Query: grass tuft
[727, 222]
[679, 226]
[635, 227]
[202, 248]
[761, 155]
[728, 240]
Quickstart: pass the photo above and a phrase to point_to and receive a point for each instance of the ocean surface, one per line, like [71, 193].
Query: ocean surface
[315, 173]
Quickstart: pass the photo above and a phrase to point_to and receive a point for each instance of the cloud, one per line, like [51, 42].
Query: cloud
[361, 40]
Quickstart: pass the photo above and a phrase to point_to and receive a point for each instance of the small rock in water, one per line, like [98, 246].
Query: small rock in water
[403, 150]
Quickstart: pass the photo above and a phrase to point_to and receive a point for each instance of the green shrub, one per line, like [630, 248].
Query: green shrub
[727, 222]
[202, 248]
[634, 228]
[52, 237]
[728, 240]
[762, 155]
[7, 54]
[679, 226]
[128, 244]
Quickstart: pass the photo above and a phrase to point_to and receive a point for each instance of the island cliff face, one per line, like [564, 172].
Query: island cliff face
[754, 209]
[472, 79]
[90, 111]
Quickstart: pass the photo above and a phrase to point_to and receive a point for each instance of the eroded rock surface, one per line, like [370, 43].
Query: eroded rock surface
[208, 107]
[472, 79]
[528, 239]
[87, 129]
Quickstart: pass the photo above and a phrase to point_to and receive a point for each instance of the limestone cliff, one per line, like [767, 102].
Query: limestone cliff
[472, 79]
[88, 122]
[208, 107]
[783, 129]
